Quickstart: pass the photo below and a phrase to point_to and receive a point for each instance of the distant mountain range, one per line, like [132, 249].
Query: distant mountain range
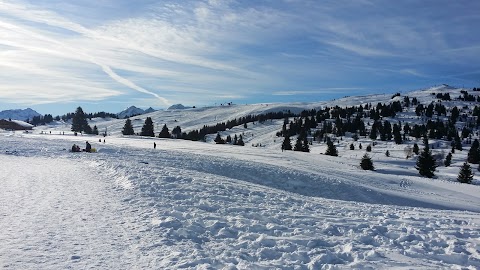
[132, 111]
[19, 114]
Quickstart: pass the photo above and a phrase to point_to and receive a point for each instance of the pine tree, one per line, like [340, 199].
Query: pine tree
[219, 139]
[416, 150]
[305, 147]
[465, 175]
[128, 128]
[79, 121]
[286, 145]
[352, 147]
[240, 140]
[229, 139]
[360, 146]
[147, 129]
[366, 163]
[298, 144]
[95, 130]
[235, 140]
[164, 133]
[88, 129]
[331, 149]
[425, 161]
[369, 148]
[474, 153]
[448, 160]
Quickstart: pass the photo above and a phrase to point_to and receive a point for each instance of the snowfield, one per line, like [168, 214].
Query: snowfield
[193, 205]
[198, 205]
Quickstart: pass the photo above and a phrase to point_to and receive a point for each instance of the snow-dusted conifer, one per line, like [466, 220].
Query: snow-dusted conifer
[366, 163]
[465, 175]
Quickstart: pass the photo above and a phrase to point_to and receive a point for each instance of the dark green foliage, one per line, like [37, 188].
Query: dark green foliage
[474, 153]
[219, 139]
[298, 144]
[229, 139]
[369, 148]
[286, 145]
[425, 162]
[164, 133]
[95, 130]
[360, 146]
[331, 149]
[177, 132]
[352, 147]
[128, 128]
[366, 163]
[416, 150]
[88, 129]
[448, 160]
[240, 140]
[465, 175]
[147, 129]
[79, 121]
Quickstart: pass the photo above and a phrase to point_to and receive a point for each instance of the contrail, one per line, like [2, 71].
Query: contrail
[81, 30]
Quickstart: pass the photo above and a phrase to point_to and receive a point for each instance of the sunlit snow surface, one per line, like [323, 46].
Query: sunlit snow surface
[203, 206]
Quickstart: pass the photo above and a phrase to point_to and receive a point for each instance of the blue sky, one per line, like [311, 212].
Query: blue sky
[106, 55]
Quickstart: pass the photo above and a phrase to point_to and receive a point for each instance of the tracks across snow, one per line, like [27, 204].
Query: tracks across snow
[171, 209]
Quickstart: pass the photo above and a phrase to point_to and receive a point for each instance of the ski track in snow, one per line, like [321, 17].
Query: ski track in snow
[130, 208]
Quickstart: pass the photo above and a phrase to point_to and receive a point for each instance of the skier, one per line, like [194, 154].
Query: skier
[154, 145]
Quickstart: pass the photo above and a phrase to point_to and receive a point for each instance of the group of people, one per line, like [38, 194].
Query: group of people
[88, 148]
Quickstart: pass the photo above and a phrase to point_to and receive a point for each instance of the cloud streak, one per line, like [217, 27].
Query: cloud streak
[176, 52]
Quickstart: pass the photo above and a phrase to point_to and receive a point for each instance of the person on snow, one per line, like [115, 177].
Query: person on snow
[88, 147]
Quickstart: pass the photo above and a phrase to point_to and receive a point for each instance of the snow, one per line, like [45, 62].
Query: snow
[195, 205]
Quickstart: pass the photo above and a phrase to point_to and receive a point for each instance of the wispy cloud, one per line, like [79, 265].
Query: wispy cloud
[207, 51]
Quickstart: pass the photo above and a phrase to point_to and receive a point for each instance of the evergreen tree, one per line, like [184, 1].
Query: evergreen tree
[448, 160]
[147, 129]
[219, 139]
[298, 144]
[164, 133]
[240, 140]
[397, 136]
[352, 147]
[235, 140]
[305, 147]
[176, 132]
[331, 149]
[474, 153]
[286, 145]
[95, 130]
[128, 128]
[360, 146]
[416, 150]
[229, 139]
[369, 148]
[88, 129]
[79, 121]
[425, 161]
[465, 175]
[366, 163]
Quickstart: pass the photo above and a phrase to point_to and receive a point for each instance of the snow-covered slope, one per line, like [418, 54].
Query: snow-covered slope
[194, 205]
[197, 205]
[19, 114]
